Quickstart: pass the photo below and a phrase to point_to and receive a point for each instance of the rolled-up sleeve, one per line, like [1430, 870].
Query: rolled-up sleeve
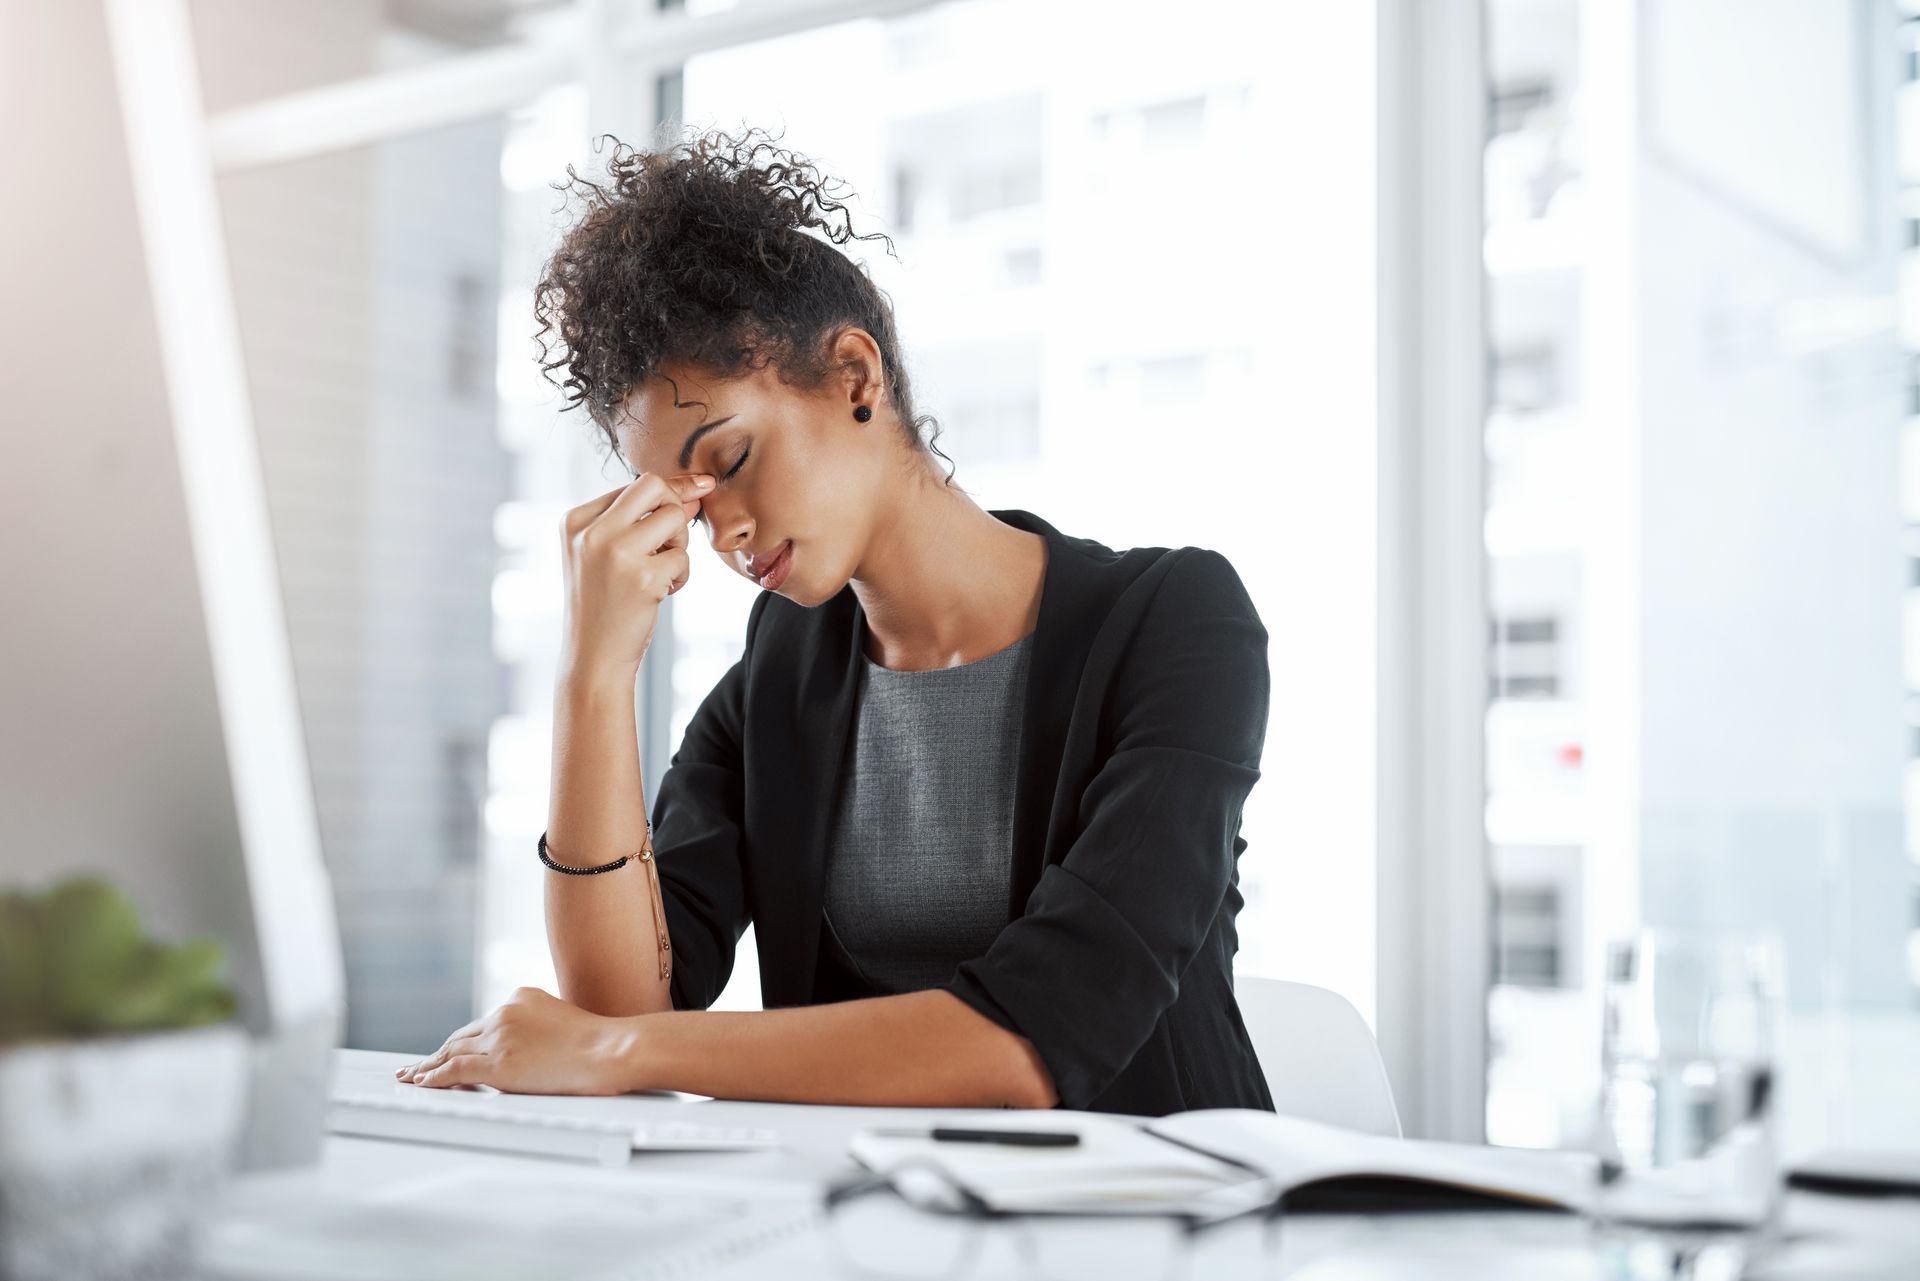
[698, 819]
[1096, 958]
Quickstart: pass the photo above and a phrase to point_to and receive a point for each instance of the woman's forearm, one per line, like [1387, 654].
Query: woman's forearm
[600, 929]
[918, 1049]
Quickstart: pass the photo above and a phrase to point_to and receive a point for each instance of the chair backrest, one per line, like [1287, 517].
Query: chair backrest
[1319, 1056]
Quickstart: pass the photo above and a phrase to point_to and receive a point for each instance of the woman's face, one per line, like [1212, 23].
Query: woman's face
[788, 467]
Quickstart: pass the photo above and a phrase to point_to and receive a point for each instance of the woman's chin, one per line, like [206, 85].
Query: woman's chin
[799, 595]
[805, 595]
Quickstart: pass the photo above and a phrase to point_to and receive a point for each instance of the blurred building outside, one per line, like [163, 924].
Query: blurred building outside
[1700, 531]
[1137, 398]
[1136, 286]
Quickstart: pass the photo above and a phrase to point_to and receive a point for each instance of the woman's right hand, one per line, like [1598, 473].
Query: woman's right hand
[625, 552]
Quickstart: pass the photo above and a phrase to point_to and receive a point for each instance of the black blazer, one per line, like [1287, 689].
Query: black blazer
[1146, 712]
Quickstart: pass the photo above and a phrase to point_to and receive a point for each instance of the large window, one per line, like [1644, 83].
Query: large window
[1700, 550]
[1136, 281]
[1134, 285]
[366, 281]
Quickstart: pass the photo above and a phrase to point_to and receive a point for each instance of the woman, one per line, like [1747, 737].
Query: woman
[977, 783]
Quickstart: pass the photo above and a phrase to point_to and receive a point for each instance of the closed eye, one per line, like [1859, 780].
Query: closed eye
[731, 473]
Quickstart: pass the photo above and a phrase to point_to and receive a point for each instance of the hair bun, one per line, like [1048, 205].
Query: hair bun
[720, 253]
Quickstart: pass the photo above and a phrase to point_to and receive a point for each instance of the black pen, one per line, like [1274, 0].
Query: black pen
[1015, 1138]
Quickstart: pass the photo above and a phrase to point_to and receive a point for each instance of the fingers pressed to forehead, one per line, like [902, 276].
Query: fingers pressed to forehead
[666, 527]
[650, 490]
[591, 510]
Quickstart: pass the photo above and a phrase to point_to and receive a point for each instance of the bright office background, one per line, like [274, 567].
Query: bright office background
[1138, 283]
[1091, 250]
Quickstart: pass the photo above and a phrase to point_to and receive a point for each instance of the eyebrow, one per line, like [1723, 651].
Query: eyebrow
[686, 450]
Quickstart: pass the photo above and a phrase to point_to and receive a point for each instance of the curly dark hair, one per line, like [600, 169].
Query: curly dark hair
[697, 254]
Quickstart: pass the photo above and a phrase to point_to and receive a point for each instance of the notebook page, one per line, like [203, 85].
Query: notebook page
[1295, 1151]
[1115, 1168]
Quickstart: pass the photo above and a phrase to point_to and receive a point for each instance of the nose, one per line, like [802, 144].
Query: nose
[727, 534]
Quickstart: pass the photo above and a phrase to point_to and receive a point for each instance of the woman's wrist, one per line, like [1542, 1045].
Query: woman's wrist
[584, 678]
[627, 1051]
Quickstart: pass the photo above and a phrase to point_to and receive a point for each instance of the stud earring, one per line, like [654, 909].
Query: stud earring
[863, 412]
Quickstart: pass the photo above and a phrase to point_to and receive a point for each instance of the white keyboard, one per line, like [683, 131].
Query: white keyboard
[422, 1114]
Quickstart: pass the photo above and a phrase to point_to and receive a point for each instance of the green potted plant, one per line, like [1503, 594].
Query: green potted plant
[123, 1080]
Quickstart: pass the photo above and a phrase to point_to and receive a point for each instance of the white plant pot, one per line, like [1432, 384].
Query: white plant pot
[111, 1148]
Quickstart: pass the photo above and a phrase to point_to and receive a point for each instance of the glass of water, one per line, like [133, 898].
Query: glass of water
[1689, 1181]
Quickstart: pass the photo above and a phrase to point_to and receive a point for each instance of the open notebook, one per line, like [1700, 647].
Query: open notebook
[1221, 1161]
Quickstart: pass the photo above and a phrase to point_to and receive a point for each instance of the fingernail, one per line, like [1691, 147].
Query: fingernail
[703, 482]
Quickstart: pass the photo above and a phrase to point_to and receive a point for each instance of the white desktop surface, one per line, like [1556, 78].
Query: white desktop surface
[375, 1208]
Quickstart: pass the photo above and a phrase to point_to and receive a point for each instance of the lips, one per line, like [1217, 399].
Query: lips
[758, 566]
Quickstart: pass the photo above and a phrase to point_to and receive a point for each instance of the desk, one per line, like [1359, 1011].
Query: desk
[378, 1209]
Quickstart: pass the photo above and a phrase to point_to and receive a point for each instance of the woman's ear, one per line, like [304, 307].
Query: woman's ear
[859, 357]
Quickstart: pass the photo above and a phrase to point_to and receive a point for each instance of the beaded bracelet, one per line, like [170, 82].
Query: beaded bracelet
[645, 855]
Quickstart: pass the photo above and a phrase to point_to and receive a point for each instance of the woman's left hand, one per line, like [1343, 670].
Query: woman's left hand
[536, 1043]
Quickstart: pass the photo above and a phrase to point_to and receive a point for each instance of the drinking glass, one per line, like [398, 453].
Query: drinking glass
[1688, 1173]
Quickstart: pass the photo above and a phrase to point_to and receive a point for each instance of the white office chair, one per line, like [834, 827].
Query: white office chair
[1319, 1056]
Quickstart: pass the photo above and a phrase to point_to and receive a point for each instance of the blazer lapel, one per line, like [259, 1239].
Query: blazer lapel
[1059, 654]
[811, 752]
